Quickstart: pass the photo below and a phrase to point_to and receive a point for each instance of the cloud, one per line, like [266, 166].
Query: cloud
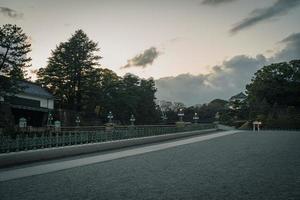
[295, 37]
[216, 2]
[291, 50]
[143, 59]
[8, 12]
[224, 80]
[279, 8]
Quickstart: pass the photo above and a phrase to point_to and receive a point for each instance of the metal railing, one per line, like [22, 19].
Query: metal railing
[68, 136]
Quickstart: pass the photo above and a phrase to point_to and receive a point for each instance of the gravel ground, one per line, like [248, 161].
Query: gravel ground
[241, 166]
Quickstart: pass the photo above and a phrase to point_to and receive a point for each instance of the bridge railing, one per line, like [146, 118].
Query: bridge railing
[68, 136]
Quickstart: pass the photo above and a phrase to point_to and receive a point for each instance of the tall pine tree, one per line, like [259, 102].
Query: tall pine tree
[14, 47]
[69, 69]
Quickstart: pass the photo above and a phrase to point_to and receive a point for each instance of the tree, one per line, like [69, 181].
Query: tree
[147, 109]
[136, 96]
[14, 47]
[69, 68]
[276, 83]
[178, 106]
[218, 104]
[166, 106]
[274, 95]
[102, 90]
[207, 112]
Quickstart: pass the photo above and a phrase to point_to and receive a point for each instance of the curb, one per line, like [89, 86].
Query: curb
[16, 158]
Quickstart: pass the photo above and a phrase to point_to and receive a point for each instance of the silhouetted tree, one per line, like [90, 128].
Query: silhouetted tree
[69, 68]
[278, 82]
[14, 47]
[274, 95]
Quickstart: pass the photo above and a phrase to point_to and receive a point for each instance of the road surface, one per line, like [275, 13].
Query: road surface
[243, 165]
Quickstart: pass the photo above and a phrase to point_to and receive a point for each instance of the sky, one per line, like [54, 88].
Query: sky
[196, 50]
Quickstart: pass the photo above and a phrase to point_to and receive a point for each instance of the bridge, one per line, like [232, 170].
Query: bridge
[217, 165]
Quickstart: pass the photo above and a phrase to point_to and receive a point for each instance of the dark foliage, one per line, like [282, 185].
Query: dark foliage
[14, 47]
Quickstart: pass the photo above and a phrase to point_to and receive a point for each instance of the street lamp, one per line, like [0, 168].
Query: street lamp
[50, 119]
[195, 117]
[110, 117]
[164, 117]
[217, 116]
[180, 114]
[77, 121]
[132, 120]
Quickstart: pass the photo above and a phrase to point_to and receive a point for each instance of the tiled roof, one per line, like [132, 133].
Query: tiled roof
[35, 90]
[239, 96]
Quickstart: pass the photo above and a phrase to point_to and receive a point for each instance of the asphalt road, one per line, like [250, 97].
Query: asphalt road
[240, 166]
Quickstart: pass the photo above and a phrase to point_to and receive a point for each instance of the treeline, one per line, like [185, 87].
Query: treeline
[273, 97]
[205, 112]
[74, 76]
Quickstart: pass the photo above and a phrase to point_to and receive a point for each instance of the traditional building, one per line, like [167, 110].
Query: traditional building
[33, 103]
[239, 97]
[236, 100]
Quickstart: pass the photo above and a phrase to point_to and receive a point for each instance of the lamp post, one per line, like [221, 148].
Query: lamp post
[164, 117]
[217, 116]
[110, 117]
[132, 120]
[195, 118]
[50, 119]
[77, 121]
[180, 114]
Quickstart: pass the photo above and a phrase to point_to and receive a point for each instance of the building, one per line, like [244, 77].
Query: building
[236, 100]
[239, 97]
[33, 103]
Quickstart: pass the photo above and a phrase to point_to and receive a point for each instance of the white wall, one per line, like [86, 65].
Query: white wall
[44, 102]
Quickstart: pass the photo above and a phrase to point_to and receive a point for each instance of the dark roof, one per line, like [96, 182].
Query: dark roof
[239, 96]
[35, 90]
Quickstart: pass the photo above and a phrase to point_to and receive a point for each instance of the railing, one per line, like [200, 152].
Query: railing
[68, 136]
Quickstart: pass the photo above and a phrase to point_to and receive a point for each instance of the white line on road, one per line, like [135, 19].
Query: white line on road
[61, 165]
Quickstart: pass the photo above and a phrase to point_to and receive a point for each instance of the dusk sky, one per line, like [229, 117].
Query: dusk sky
[196, 50]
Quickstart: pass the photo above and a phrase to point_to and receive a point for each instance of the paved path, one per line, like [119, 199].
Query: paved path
[61, 165]
[236, 166]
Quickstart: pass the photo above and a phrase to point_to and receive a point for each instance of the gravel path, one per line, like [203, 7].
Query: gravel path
[241, 166]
